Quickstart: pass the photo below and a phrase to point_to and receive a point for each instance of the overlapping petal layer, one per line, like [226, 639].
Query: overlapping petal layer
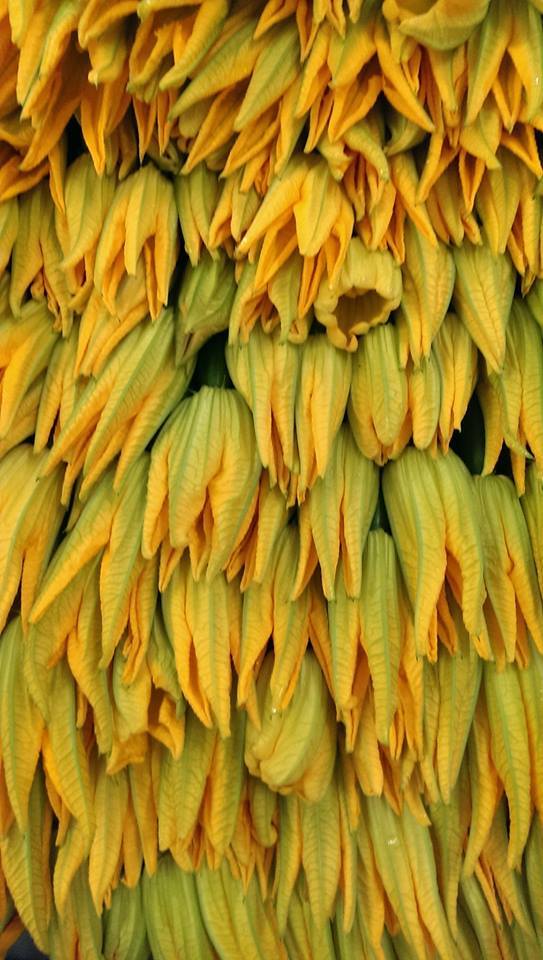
[271, 497]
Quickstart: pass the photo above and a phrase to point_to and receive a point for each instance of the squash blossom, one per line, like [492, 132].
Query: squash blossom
[271, 479]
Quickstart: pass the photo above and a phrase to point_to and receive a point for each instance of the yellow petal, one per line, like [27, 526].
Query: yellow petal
[25, 864]
[425, 402]
[428, 280]
[223, 789]
[208, 22]
[480, 306]
[381, 625]
[450, 822]
[459, 681]
[456, 356]
[172, 913]
[486, 48]
[21, 725]
[83, 654]
[182, 784]
[458, 497]
[89, 535]
[273, 72]
[226, 476]
[510, 751]
[271, 396]
[444, 25]
[510, 572]
[68, 749]
[393, 865]
[321, 853]
[230, 63]
[110, 799]
[417, 517]
[320, 405]
[497, 200]
[196, 197]
[511, 889]
[378, 403]
[143, 802]
[421, 856]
